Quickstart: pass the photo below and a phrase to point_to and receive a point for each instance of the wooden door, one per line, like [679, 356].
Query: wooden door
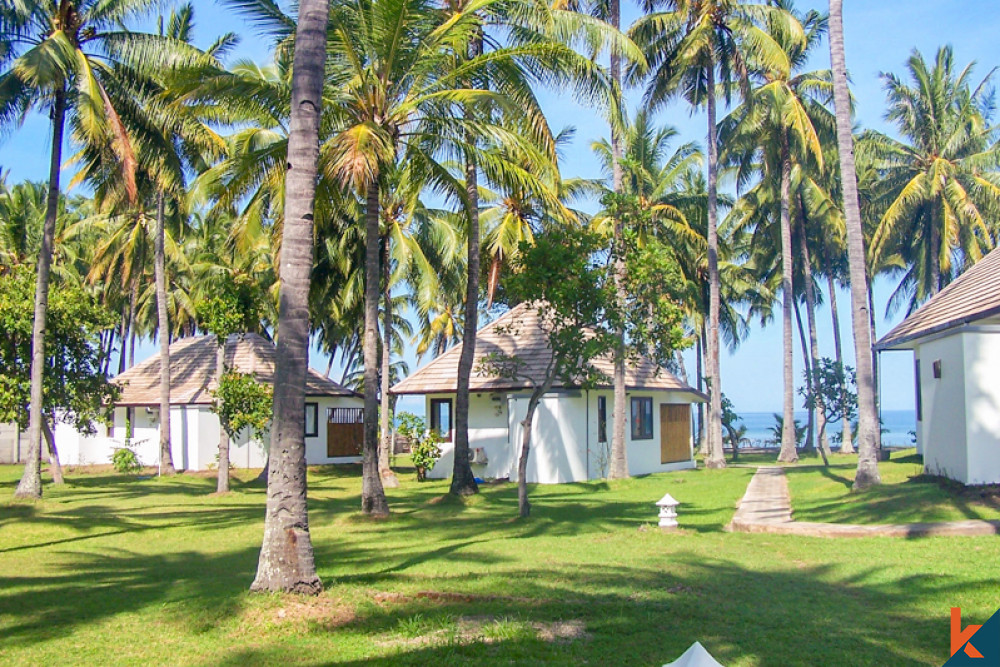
[675, 433]
[345, 431]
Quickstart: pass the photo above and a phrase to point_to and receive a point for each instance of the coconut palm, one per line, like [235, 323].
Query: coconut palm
[939, 184]
[698, 50]
[403, 214]
[512, 215]
[286, 556]
[868, 425]
[169, 141]
[769, 135]
[406, 94]
[66, 57]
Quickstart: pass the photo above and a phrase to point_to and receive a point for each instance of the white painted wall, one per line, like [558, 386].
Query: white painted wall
[982, 406]
[564, 436]
[316, 445]
[941, 431]
[194, 436]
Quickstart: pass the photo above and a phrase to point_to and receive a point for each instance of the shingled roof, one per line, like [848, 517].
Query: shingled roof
[517, 332]
[192, 371]
[975, 295]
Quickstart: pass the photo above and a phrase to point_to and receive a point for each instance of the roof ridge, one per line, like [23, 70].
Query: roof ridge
[457, 348]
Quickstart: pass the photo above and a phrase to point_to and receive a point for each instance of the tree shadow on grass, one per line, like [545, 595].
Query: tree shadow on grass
[204, 588]
[915, 500]
[648, 616]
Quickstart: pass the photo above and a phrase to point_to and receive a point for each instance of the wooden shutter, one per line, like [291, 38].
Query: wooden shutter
[675, 433]
[345, 431]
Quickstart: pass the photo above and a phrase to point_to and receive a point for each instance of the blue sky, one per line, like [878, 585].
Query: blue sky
[879, 37]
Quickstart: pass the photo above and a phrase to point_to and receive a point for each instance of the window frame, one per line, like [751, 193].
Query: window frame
[435, 417]
[314, 408]
[638, 426]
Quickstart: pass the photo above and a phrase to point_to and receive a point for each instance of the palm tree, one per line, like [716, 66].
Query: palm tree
[868, 425]
[939, 185]
[66, 56]
[620, 53]
[772, 133]
[168, 142]
[513, 214]
[403, 213]
[690, 46]
[286, 556]
[406, 95]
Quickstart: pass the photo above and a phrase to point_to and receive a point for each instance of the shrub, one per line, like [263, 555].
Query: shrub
[125, 461]
[425, 447]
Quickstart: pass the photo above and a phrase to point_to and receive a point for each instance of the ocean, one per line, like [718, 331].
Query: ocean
[896, 427]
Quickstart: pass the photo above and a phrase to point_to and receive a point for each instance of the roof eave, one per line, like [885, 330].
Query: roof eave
[889, 342]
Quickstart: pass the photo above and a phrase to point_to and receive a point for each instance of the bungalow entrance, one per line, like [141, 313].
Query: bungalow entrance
[345, 431]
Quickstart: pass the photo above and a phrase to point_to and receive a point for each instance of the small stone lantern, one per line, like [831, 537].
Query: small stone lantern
[668, 512]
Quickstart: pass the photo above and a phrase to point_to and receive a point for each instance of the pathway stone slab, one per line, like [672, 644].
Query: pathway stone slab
[766, 507]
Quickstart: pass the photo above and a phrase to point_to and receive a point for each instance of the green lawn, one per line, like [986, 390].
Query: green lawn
[905, 496]
[111, 570]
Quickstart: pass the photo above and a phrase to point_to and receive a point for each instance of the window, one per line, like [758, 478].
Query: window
[312, 420]
[441, 417]
[642, 418]
[602, 419]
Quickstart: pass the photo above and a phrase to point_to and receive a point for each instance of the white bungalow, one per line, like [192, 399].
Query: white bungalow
[571, 431]
[955, 338]
[333, 413]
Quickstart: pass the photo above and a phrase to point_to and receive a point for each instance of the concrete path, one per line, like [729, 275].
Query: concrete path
[766, 507]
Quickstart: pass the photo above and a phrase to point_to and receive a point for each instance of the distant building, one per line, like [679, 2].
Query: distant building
[955, 338]
[333, 413]
[571, 432]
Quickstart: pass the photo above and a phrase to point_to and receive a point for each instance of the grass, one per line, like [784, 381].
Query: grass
[114, 570]
[905, 496]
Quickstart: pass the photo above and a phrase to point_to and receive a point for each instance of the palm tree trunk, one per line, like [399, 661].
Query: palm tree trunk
[867, 473]
[373, 500]
[934, 257]
[286, 556]
[875, 370]
[618, 465]
[463, 482]
[681, 367]
[807, 277]
[124, 337]
[163, 324]
[714, 457]
[55, 467]
[389, 479]
[808, 444]
[846, 438]
[699, 362]
[222, 481]
[787, 453]
[133, 307]
[30, 485]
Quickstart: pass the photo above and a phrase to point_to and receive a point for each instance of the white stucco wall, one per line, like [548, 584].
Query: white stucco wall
[194, 437]
[982, 406]
[941, 431]
[564, 436]
[316, 445]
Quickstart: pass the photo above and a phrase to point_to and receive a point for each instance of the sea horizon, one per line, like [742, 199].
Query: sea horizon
[897, 426]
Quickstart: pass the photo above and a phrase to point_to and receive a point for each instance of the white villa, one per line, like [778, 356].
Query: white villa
[955, 339]
[333, 413]
[571, 431]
